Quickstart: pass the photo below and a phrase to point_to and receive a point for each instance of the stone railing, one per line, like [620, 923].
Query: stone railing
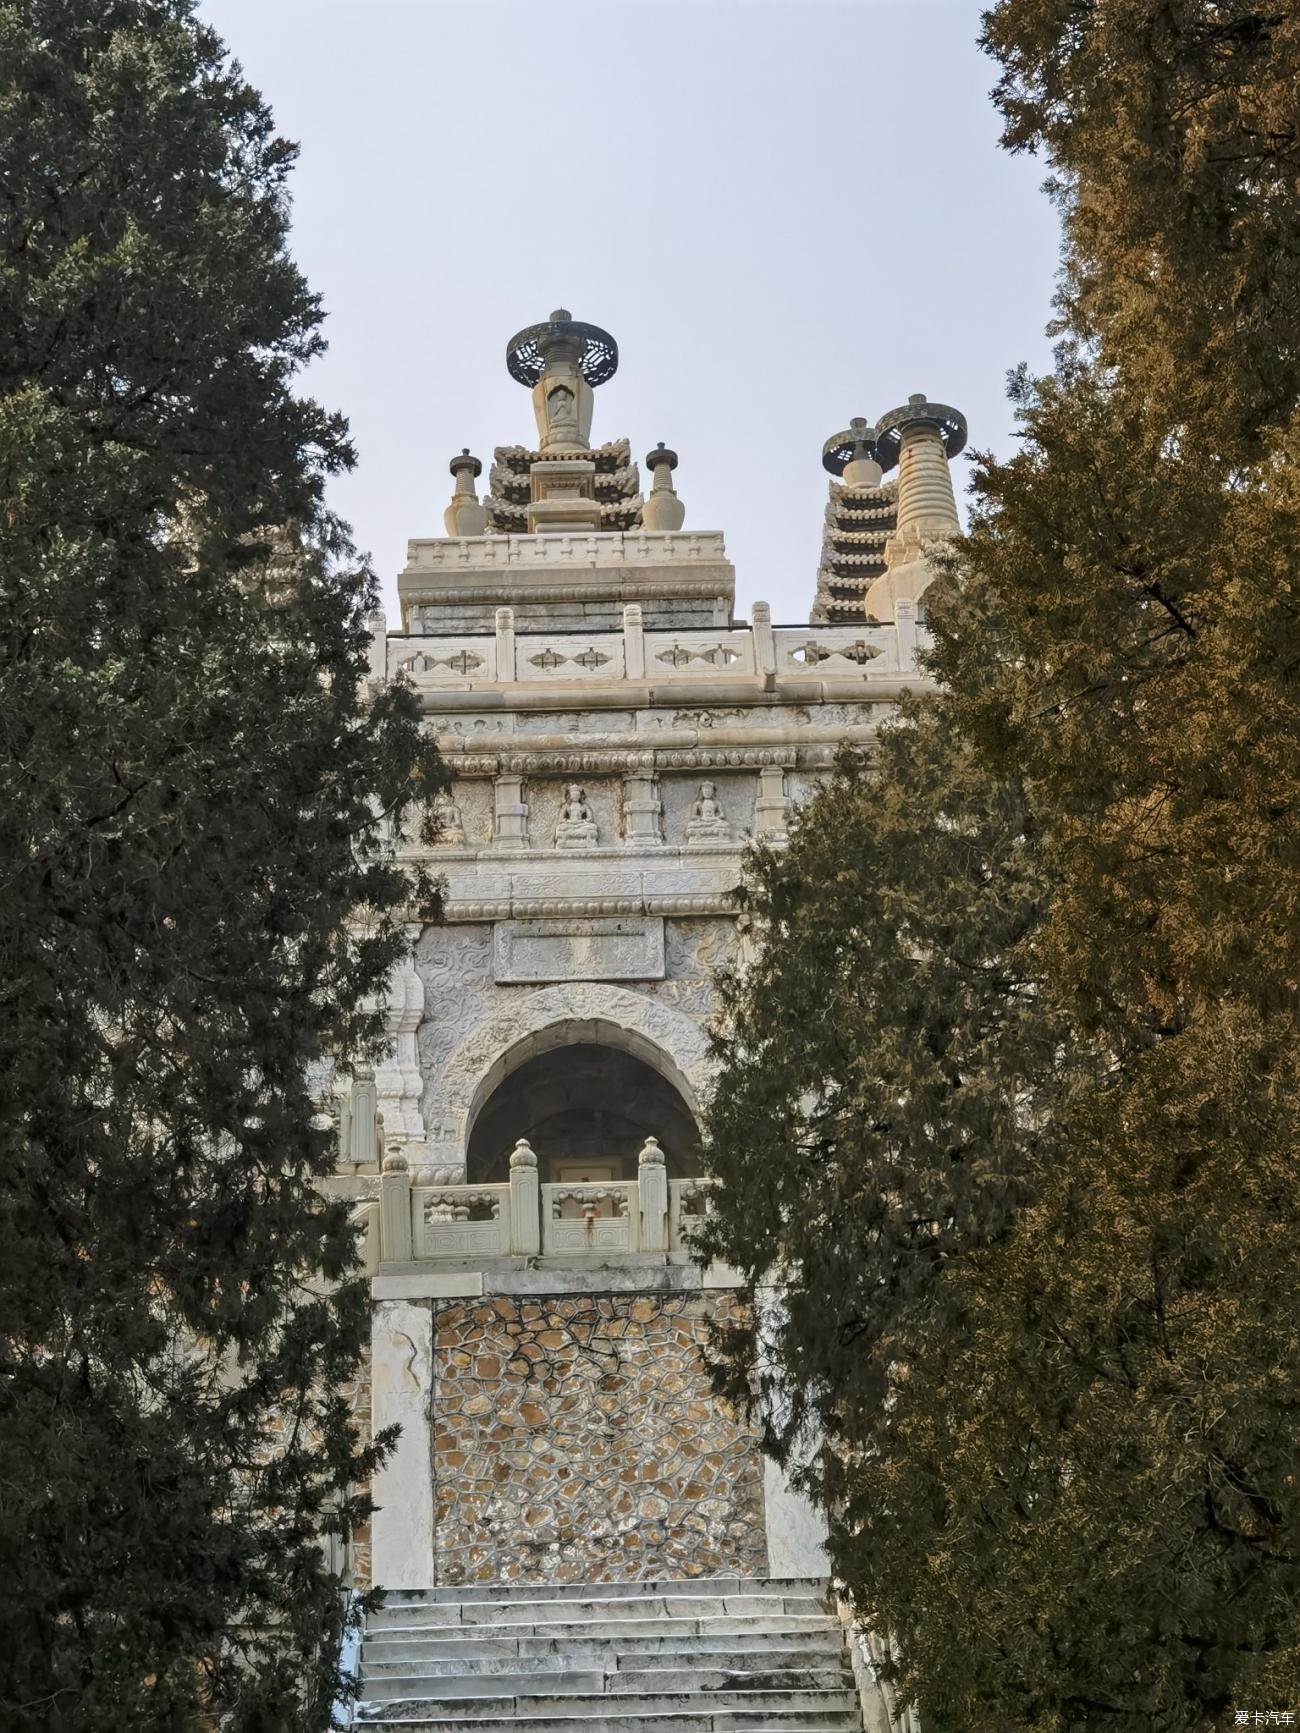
[757, 650]
[465, 1224]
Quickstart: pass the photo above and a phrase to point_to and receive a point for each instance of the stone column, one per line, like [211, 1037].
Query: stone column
[363, 1119]
[505, 629]
[760, 624]
[633, 642]
[401, 1338]
[510, 826]
[642, 809]
[905, 626]
[377, 654]
[771, 806]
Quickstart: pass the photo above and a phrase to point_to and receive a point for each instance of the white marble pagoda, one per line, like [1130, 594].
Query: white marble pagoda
[525, 1162]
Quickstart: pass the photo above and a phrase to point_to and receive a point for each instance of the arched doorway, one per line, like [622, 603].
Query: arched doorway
[586, 1107]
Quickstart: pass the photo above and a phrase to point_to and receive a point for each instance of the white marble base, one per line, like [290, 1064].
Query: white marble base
[796, 1530]
[402, 1389]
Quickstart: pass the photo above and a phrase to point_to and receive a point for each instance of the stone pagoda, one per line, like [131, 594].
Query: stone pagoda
[525, 1164]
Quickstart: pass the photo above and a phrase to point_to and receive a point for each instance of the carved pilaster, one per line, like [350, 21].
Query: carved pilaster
[772, 805]
[643, 820]
[510, 817]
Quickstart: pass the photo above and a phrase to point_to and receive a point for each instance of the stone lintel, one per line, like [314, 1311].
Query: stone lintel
[579, 948]
[549, 1278]
[419, 1282]
[459, 912]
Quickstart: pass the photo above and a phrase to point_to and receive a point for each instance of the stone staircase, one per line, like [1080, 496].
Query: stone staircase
[717, 1655]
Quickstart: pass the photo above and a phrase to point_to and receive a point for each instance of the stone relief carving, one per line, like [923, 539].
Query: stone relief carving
[446, 812]
[468, 726]
[562, 416]
[703, 718]
[694, 951]
[610, 722]
[708, 822]
[455, 969]
[576, 825]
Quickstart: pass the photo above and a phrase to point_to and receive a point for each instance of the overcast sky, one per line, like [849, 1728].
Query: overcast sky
[787, 212]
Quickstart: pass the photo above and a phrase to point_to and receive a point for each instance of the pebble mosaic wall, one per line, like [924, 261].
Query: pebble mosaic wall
[577, 1438]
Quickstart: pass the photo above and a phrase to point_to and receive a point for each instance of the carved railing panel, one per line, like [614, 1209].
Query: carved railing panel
[837, 649]
[597, 656]
[431, 661]
[461, 1221]
[670, 655]
[688, 1201]
[590, 1218]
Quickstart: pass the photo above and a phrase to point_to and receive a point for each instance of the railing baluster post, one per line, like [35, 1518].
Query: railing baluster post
[652, 1176]
[395, 1210]
[525, 1202]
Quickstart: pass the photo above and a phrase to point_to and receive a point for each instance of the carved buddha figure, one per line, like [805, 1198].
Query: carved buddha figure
[446, 815]
[576, 825]
[708, 822]
[562, 417]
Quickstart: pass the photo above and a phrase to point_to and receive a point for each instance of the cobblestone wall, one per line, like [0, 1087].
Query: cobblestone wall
[578, 1439]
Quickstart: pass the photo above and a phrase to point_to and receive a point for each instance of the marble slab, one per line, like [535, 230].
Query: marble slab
[579, 948]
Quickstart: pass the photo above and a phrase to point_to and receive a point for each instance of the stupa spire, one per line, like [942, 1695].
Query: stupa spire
[562, 360]
[878, 532]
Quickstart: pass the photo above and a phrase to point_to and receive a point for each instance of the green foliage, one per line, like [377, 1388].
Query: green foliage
[197, 900]
[1173, 129]
[1060, 1436]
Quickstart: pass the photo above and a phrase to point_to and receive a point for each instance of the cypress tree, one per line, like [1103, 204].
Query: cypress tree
[199, 901]
[1070, 1490]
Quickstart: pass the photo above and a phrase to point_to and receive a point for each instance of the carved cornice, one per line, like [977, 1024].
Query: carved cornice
[615, 761]
[656, 582]
[826, 685]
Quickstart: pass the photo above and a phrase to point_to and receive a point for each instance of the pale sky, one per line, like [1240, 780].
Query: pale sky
[786, 212]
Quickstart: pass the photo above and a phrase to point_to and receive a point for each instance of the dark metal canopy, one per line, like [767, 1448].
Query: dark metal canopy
[857, 441]
[560, 338]
[951, 425]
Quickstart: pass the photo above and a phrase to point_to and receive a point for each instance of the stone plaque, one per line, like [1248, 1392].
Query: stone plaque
[617, 948]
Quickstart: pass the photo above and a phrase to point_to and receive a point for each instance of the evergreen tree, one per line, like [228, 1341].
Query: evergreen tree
[198, 905]
[1072, 1489]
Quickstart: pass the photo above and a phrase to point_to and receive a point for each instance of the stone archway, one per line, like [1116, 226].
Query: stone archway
[585, 1109]
[584, 1011]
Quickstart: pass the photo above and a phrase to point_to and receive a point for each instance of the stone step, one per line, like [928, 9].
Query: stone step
[587, 1591]
[594, 1610]
[458, 1679]
[722, 1655]
[721, 1624]
[697, 1721]
[620, 1649]
[593, 1703]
